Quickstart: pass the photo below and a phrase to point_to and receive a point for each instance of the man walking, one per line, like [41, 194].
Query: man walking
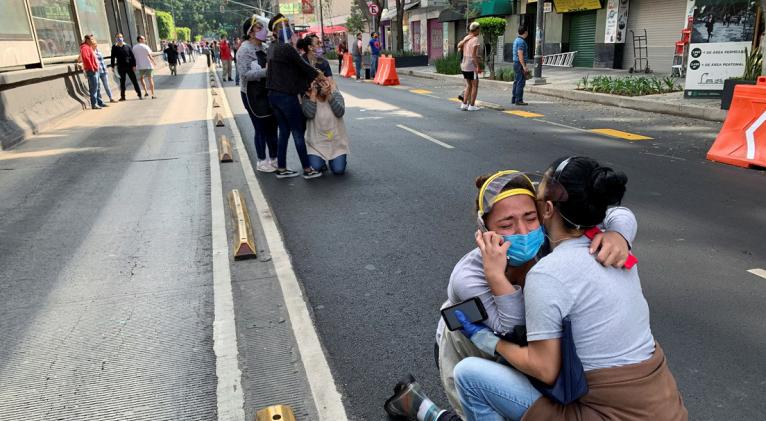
[357, 50]
[374, 54]
[172, 55]
[126, 63]
[145, 64]
[103, 76]
[90, 67]
[471, 67]
[520, 52]
[226, 59]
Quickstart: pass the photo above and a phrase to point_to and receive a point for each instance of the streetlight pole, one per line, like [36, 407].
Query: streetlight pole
[539, 42]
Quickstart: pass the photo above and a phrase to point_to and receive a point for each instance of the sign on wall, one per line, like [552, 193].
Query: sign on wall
[616, 21]
[566, 6]
[720, 33]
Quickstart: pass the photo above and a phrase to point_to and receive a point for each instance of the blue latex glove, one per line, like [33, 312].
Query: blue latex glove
[480, 335]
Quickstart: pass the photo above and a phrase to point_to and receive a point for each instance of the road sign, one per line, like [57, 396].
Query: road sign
[374, 9]
[547, 7]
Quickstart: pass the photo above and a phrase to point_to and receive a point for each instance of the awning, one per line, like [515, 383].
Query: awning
[328, 29]
[452, 15]
[493, 8]
[388, 14]
[412, 5]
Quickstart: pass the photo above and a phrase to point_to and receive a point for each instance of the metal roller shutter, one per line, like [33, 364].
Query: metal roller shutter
[663, 21]
[582, 37]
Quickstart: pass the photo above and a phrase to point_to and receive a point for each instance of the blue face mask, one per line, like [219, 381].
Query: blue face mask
[524, 247]
[285, 35]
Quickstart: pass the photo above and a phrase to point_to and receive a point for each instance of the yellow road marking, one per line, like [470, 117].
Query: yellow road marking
[455, 100]
[420, 91]
[525, 114]
[620, 134]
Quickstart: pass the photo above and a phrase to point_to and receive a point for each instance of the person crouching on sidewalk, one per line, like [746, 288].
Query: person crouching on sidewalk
[326, 137]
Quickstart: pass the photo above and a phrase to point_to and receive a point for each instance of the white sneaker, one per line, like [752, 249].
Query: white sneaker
[473, 108]
[273, 163]
[264, 166]
[463, 107]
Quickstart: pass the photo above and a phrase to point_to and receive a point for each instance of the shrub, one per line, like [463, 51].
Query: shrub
[492, 28]
[505, 74]
[449, 65]
[183, 34]
[331, 55]
[166, 25]
[628, 86]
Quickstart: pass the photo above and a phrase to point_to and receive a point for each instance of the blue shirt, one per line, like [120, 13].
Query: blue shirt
[375, 46]
[520, 44]
[101, 65]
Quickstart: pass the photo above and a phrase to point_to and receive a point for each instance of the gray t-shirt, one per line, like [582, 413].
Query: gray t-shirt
[609, 314]
[506, 311]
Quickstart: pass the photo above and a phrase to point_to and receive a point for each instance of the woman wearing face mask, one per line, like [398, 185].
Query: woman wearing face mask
[251, 66]
[326, 135]
[287, 77]
[308, 47]
[510, 241]
[626, 371]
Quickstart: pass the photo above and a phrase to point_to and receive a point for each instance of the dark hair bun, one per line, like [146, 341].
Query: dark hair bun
[480, 180]
[303, 44]
[608, 186]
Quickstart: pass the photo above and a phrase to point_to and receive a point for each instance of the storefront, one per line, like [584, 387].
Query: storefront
[663, 21]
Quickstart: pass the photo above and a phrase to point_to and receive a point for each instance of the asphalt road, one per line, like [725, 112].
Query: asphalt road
[374, 249]
[106, 296]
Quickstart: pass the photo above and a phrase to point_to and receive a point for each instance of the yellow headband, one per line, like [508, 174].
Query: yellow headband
[278, 21]
[504, 194]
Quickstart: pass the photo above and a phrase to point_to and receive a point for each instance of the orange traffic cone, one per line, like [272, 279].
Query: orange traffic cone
[743, 132]
[348, 69]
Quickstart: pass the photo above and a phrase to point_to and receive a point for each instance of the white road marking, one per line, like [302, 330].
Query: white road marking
[425, 136]
[369, 118]
[231, 402]
[758, 272]
[553, 123]
[327, 399]
[432, 96]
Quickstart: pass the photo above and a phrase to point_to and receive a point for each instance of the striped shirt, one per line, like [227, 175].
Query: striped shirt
[101, 64]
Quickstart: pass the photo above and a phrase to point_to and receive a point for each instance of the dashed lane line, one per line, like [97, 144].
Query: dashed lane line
[620, 134]
[421, 91]
[525, 114]
[327, 399]
[425, 136]
[758, 272]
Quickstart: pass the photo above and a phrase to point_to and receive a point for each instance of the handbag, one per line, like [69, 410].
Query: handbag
[571, 383]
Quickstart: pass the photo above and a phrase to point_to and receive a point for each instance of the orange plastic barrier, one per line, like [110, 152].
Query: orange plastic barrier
[347, 70]
[386, 74]
[738, 141]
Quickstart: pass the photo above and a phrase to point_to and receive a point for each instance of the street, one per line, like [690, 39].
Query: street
[109, 286]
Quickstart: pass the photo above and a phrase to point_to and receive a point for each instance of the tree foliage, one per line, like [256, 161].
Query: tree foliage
[492, 28]
[166, 25]
[183, 34]
[357, 20]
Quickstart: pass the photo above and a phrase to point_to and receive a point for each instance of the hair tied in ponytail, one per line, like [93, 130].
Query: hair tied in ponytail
[607, 186]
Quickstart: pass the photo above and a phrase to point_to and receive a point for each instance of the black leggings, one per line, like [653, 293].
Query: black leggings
[129, 72]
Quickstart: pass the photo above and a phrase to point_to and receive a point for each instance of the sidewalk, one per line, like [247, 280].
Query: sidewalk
[562, 83]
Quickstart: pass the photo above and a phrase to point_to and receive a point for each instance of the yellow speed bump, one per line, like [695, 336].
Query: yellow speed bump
[244, 242]
[215, 103]
[421, 91]
[525, 114]
[620, 134]
[455, 100]
[219, 120]
[225, 150]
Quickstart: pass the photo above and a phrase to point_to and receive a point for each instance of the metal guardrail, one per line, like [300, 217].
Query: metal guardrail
[560, 60]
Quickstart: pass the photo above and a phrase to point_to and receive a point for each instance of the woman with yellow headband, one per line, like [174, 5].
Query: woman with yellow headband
[510, 240]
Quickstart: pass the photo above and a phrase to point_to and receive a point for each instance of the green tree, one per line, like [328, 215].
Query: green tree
[183, 34]
[356, 20]
[166, 25]
[492, 28]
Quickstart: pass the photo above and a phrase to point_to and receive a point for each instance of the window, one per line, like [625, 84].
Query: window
[55, 27]
[14, 24]
[93, 19]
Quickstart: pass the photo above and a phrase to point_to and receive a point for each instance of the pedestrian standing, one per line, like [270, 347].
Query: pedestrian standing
[357, 51]
[288, 76]
[90, 66]
[216, 53]
[145, 64]
[208, 52]
[471, 67]
[326, 136]
[520, 69]
[342, 51]
[226, 59]
[103, 75]
[122, 54]
[251, 62]
[181, 50]
[374, 54]
[172, 55]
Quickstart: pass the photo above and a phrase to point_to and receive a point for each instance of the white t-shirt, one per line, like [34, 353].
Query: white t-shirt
[142, 52]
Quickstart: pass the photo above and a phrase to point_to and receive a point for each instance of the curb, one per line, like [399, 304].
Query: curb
[685, 110]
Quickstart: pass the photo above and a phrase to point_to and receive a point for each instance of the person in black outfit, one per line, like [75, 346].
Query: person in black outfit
[287, 76]
[126, 63]
[172, 52]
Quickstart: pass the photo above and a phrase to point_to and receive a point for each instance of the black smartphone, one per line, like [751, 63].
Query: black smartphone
[472, 308]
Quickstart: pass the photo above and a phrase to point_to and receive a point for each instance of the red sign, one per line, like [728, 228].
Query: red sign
[307, 7]
[374, 9]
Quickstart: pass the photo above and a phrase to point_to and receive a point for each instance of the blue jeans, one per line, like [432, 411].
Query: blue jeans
[104, 77]
[290, 119]
[519, 81]
[358, 65]
[373, 65]
[265, 132]
[337, 165]
[95, 100]
[490, 391]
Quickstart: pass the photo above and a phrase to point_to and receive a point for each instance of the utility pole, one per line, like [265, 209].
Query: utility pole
[321, 24]
[539, 42]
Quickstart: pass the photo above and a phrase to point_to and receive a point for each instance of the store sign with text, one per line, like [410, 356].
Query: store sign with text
[711, 64]
[566, 6]
[616, 21]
